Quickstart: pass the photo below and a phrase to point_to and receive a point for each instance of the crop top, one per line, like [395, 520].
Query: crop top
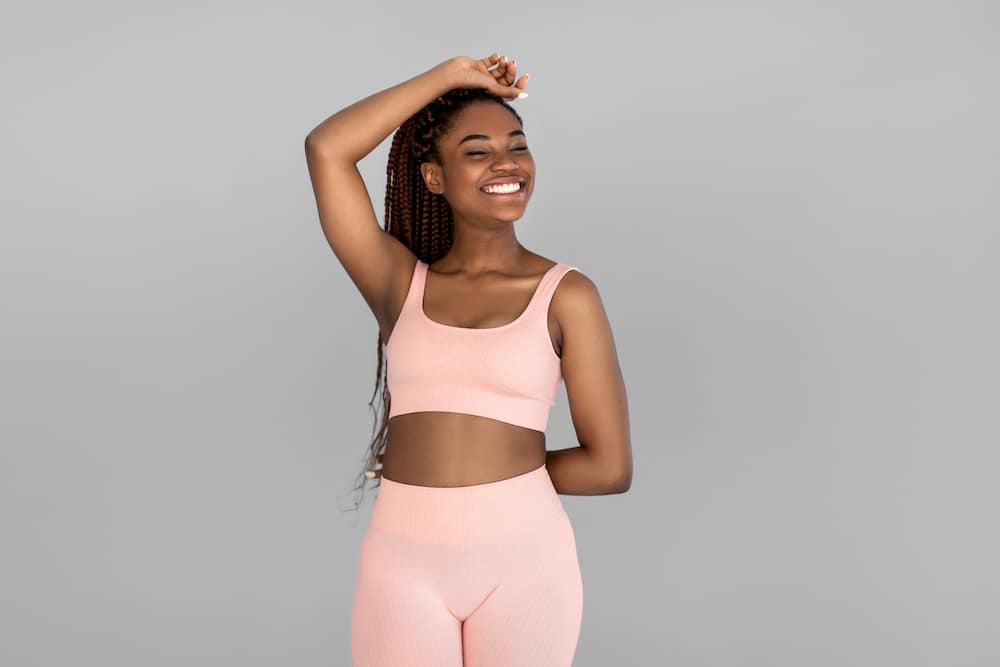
[509, 373]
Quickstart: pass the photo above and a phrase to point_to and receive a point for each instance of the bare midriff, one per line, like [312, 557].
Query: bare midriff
[455, 449]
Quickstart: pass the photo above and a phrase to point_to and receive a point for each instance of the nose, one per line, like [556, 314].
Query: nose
[505, 162]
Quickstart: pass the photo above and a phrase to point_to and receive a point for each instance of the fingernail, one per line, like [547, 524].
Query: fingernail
[520, 95]
[370, 474]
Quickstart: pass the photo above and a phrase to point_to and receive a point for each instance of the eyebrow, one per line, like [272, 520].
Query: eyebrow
[486, 137]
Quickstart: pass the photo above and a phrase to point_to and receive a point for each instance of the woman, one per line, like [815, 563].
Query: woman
[469, 557]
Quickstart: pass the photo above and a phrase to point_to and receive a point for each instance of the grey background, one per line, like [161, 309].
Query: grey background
[791, 212]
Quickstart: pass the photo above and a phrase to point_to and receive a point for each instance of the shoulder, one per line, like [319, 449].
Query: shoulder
[572, 288]
[576, 297]
[579, 322]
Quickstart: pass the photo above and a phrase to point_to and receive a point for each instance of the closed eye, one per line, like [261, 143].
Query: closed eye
[519, 148]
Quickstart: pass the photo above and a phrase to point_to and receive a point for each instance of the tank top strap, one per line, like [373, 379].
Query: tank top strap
[547, 287]
[539, 300]
[416, 292]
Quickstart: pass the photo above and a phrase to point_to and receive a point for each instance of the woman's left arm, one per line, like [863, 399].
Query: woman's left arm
[602, 463]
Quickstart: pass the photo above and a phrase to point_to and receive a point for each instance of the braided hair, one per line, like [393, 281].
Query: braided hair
[422, 220]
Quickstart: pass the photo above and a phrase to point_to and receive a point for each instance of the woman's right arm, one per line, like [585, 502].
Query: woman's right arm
[375, 260]
[372, 257]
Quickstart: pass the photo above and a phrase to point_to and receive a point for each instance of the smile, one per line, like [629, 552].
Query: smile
[502, 189]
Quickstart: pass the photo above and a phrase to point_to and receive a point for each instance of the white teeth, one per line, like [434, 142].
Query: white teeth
[502, 188]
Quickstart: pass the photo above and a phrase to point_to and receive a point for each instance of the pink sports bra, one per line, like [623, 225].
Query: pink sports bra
[509, 373]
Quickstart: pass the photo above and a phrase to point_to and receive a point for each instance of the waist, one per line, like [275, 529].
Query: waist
[460, 513]
[442, 449]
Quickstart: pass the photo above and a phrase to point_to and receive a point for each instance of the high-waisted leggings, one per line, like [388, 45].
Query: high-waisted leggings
[484, 575]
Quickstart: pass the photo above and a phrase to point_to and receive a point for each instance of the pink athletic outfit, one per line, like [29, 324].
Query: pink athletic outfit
[484, 575]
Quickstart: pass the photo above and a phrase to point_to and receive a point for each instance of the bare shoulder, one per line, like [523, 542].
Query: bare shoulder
[575, 293]
[576, 311]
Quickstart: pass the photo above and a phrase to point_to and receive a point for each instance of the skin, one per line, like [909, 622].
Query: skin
[485, 280]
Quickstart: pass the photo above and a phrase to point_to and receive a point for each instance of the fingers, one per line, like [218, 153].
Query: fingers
[497, 72]
[505, 75]
[503, 68]
[505, 71]
[489, 61]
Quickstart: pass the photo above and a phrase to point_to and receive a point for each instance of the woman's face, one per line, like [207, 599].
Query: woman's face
[486, 145]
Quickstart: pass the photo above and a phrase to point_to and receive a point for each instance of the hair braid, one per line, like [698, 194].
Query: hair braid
[422, 220]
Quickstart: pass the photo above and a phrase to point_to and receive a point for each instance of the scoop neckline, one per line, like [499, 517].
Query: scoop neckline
[531, 302]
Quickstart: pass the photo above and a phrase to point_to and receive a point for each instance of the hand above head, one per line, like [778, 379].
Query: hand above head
[465, 72]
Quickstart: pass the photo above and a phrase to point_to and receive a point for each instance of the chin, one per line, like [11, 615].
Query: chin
[513, 217]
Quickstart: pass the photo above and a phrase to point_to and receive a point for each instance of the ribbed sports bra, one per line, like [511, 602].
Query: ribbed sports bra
[509, 373]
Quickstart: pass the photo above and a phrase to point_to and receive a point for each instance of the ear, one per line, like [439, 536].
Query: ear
[432, 177]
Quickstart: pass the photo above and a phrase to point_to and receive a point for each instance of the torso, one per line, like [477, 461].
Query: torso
[455, 449]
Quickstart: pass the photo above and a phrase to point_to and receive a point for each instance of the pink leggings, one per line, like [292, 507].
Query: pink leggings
[482, 576]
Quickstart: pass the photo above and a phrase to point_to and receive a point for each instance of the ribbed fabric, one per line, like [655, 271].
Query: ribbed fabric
[509, 373]
[471, 576]
[462, 514]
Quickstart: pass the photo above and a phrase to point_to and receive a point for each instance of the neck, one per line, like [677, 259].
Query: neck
[476, 249]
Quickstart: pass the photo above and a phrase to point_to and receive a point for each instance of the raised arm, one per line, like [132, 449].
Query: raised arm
[373, 258]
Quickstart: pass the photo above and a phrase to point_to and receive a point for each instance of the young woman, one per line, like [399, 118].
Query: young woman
[469, 557]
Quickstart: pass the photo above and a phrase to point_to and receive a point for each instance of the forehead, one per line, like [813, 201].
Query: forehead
[487, 118]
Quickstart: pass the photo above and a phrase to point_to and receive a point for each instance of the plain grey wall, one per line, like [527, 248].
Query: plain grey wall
[790, 209]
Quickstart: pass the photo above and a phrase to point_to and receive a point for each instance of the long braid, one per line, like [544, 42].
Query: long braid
[420, 219]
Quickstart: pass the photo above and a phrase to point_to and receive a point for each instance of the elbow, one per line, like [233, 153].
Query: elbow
[312, 143]
[621, 483]
[327, 148]
[621, 487]
[319, 144]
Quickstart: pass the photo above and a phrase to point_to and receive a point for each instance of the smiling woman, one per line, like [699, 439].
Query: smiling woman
[470, 557]
[449, 159]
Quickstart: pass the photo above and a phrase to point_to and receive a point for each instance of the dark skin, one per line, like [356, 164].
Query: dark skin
[486, 280]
